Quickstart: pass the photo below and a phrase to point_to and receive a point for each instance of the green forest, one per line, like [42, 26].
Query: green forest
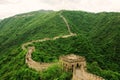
[98, 38]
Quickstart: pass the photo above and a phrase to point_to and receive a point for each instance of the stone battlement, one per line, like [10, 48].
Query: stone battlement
[77, 64]
[72, 58]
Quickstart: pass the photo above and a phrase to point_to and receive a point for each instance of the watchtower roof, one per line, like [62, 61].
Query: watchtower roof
[72, 58]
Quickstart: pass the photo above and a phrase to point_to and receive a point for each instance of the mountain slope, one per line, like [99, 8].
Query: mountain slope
[15, 31]
[103, 31]
[19, 29]
[98, 41]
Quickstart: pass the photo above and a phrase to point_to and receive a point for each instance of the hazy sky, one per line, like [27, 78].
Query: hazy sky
[12, 7]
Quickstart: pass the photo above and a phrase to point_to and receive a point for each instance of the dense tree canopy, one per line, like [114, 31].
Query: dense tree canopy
[98, 40]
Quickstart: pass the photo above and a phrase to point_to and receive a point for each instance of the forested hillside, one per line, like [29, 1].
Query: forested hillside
[98, 40]
[16, 30]
[103, 31]
[26, 27]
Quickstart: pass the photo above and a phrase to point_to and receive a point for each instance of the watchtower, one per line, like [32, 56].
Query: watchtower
[72, 62]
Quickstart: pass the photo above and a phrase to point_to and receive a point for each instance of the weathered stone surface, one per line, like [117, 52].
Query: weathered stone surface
[77, 64]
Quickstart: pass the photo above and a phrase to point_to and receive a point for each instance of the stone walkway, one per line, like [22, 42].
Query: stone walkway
[78, 75]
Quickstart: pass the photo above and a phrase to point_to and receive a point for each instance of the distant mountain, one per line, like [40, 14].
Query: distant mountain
[0, 20]
[98, 37]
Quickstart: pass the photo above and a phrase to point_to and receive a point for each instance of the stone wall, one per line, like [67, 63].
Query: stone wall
[77, 64]
[84, 75]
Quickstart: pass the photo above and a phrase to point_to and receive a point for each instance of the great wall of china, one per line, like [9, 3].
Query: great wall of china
[70, 62]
